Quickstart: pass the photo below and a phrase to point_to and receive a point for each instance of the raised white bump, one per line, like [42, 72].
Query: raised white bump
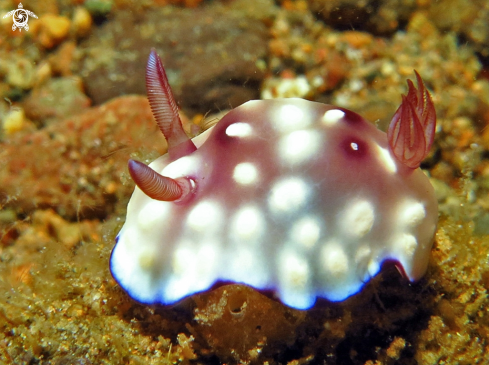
[239, 129]
[362, 256]
[332, 116]
[147, 258]
[181, 167]
[306, 232]
[153, 214]
[358, 218]
[334, 260]
[204, 216]
[290, 117]
[289, 194]
[192, 260]
[248, 223]
[299, 146]
[412, 213]
[407, 243]
[194, 269]
[245, 173]
[294, 271]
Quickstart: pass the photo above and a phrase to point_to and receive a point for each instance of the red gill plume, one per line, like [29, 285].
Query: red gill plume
[412, 129]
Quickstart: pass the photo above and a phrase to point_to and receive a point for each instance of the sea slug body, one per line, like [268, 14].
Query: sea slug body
[289, 195]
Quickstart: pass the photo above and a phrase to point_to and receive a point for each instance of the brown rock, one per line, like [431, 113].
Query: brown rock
[61, 60]
[81, 22]
[58, 98]
[378, 17]
[210, 55]
[266, 326]
[51, 29]
[75, 166]
[466, 17]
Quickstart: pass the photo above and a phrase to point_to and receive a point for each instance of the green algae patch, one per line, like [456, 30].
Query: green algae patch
[458, 328]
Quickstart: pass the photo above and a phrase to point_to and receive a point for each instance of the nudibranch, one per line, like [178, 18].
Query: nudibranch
[299, 198]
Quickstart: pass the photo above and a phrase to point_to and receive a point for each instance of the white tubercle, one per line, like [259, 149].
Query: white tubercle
[245, 173]
[288, 195]
[332, 116]
[239, 129]
[299, 146]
